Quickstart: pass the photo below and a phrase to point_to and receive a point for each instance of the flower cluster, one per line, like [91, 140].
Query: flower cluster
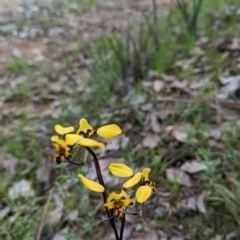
[145, 186]
[82, 137]
[115, 204]
[118, 201]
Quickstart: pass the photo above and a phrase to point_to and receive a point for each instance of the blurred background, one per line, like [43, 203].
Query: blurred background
[166, 71]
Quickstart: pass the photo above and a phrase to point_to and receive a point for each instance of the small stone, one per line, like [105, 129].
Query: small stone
[21, 189]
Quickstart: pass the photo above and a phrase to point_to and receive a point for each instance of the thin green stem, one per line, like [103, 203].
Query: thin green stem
[75, 163]
[105, 220]
[154, 5]
[104, 194]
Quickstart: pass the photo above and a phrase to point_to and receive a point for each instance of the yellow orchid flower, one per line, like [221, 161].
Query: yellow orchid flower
[94, 186]
[107, 131]
[85, 132]
[117, 201]
[141, 178]
[62, 148]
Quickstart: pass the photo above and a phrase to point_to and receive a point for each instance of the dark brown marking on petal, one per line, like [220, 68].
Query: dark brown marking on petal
[131, 203]
[58, 159]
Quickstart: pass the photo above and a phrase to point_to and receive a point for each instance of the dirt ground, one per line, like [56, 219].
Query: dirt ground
[6, 4]
[95, 20]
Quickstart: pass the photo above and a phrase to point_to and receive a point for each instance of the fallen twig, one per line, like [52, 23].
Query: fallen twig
[39, 232]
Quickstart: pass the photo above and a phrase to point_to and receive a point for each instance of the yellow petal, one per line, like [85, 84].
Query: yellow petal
[109, 131]
[57, 146]
[126, 202]
[63, 130]
[118, 212]
[62, 143]
[55, 138]
[113, 196]
[109, 205]
[84, 126]
[133, 181]
[72, 139]
[87, 142]
[94, 186]
[120, 170]
[145, 173]
[143, 193]
[123, 194]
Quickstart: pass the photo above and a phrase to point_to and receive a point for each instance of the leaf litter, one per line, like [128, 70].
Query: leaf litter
[50, 92]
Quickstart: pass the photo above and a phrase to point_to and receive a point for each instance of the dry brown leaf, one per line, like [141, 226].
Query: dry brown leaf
[10, 163]
[155, 124]
[200, 202]
[189, 204]
[193, 167]
[180, 84]
[160, 211]
[151, 140]
[229, 79]
[177, 175]
[152, 74]
[178, 135]
[164, 113]
[194, 203]
[177, 238]
[4, 212]
[151, 234]
[180, 132]
[158, 85]
[72, 216]
[232, 84]
[162, 235]
[146, 107]
[217, 237]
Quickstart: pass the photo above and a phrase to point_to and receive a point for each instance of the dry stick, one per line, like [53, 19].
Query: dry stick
[44, 215]
[104, 194]
[218, 116]
[154, 5]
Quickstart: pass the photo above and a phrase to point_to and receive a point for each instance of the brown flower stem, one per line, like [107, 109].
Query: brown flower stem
[104, 194]
[122, 226]
[97, 167]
